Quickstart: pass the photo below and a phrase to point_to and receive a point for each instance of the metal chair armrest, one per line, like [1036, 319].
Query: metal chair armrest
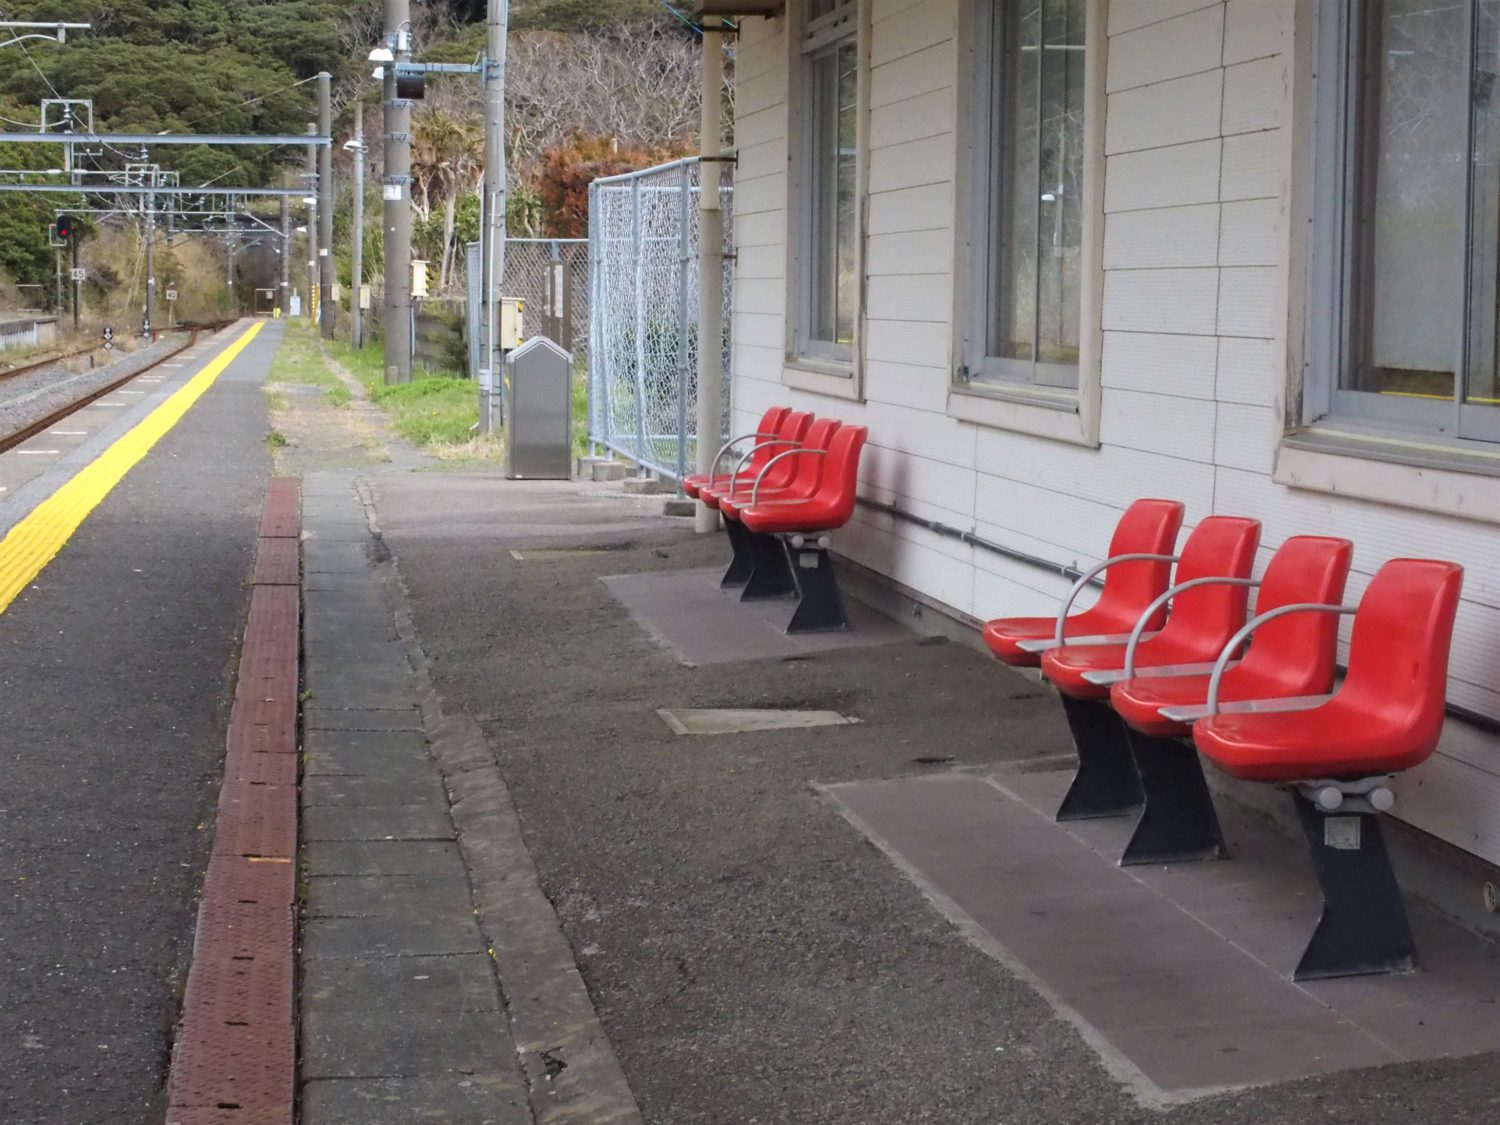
[713, 472]
[1244, 634]
[1191, 713]
[1167, 595]
[1088, 576]
[734, 477]
[755, 490]
[1042, 644]
[1104, 676]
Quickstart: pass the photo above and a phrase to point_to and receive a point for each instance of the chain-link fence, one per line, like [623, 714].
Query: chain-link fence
[551, 275]
[643, 327]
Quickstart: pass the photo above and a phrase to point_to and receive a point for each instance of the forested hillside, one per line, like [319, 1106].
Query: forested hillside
[594, 86]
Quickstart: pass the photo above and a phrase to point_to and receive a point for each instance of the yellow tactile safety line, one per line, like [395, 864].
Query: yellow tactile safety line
[36, 540]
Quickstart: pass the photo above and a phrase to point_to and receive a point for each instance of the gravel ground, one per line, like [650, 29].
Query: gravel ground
[36, 394]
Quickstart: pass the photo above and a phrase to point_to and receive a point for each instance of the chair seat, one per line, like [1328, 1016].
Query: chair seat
[1065, 666]
[814, 514]
[1005, 634]
[1333, 741]
[1139, 701]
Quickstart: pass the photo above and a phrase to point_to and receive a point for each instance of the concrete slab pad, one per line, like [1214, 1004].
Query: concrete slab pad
[402, 1016]
[416, 786]
[390, 935]
[739, 720]
[324, 822]
[315, 718]
[380, 857]
[701, 624]
[1178, 975]
[475, 1099]
[356, 742]
[394, 765]
[386, 896]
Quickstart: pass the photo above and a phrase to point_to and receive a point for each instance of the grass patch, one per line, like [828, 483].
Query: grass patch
[434, 409]
[300, 361]
[276, 440]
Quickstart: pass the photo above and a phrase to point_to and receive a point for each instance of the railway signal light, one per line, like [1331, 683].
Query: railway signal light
[65, 228]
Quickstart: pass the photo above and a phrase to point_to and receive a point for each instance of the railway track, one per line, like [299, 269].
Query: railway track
[31, 429]
[50, 361]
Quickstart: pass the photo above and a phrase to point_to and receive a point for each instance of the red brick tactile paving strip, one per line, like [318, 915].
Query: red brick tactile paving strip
[234, 1062]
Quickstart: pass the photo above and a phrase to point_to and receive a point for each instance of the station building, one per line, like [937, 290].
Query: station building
[1061, 254]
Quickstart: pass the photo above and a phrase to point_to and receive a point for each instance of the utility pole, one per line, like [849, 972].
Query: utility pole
[77, 285]
[312, 230]
[397, 200]
[710, 265]
[57, 263]
[492, 236]
[357, 251]
[327, 313]
[150, 257]
[286, 256]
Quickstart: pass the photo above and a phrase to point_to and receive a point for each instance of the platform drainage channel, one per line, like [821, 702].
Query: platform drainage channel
[731, 720]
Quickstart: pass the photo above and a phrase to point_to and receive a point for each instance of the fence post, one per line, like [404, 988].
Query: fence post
[684, 249]
[636, 240]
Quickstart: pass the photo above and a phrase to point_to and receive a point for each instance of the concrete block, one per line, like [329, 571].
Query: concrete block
[644, 486]
[609, 471]
[679, 506]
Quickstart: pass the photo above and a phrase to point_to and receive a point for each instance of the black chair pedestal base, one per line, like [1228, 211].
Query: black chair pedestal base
[1106, 783]
[1178, 822]
[770, 570]
[1363, 928]
[741, 563]
[820, 608]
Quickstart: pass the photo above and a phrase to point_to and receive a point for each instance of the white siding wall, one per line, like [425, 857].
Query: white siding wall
[1196, 259]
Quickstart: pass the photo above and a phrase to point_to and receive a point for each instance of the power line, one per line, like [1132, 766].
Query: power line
[247, 101]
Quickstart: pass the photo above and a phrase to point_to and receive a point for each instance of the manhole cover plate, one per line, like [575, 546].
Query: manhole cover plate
[732, 720]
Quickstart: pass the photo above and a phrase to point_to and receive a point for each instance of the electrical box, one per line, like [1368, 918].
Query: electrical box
[419, 279]
[512, 331]
[538, 397]
[364, 297]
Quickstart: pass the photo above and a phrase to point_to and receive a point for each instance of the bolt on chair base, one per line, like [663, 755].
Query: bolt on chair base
[1106, 783]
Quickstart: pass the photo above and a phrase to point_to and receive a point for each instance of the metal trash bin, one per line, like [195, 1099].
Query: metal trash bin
[538, 399]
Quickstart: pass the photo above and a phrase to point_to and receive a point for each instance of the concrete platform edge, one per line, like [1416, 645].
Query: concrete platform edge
[552, 1017]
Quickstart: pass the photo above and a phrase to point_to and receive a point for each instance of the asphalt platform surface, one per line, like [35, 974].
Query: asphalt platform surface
[115, 673]
[751, 956]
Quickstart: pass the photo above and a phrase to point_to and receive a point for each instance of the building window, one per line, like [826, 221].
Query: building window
[828, 282]
[1406, 256]
[1028, 166]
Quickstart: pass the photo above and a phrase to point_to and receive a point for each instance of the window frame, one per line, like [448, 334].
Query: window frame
[814, 40]
[1331, 299]
[1068, 414]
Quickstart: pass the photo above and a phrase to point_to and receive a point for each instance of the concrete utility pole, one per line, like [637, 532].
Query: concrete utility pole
[327, 313]
[357, 264]
[313, 287]
[286, 257]
[150, 258]
[397, 200]
[492, 236]
[710, 265]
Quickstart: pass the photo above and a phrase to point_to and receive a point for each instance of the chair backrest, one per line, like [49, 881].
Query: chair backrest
[807, 472]
[770, 421]
[1398, 650]
[1148, 527]
[1298, 652]
[840, 479]
[1205, 617]
[793, 428]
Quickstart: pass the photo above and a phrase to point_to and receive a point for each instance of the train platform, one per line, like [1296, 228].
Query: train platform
[578, 838]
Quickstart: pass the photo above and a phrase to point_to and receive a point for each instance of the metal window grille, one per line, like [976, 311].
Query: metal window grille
[643, 324]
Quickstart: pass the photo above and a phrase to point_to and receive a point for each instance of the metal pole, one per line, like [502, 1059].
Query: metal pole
[710, 266]
[327, 313]
[684, 308]
[357, 251]
[150, 259]
[57, 279]
[397, 201]
[313, 289]
[286, 256]
[492, 234]
[637, 245]
[77, 285]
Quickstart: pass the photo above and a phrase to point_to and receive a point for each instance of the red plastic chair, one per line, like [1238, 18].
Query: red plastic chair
[1337, 755]
[790, 433]
[770, 422]
[1135, 572]
[1292, 658]
[798, 528]
[806, 473]
[1208, 598]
